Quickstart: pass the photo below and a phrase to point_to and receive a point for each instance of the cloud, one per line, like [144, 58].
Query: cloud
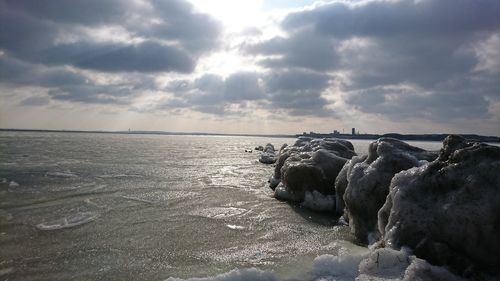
[406, 102]
[16, 72]
[35, 101]
[168, 36]
[93, 94]
[446, 51]
[242, 86]
[143, 57]
[210, 93]
[64, 85]
[303, 49]
[298, 92]
[176, 20]
[488, 53]
[423, 18]
[85, 12]
[293, 92]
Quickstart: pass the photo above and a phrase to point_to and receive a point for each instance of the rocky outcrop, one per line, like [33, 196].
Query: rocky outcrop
[307, 170]
[363, 183]
[448, 211]
[268, 155]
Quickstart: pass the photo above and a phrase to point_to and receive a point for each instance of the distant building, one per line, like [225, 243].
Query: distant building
[353, 131]
[335, 132]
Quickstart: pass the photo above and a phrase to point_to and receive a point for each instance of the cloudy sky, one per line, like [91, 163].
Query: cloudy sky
[259, 66]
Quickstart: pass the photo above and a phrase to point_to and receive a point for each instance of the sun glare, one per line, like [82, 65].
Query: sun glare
[235, 15]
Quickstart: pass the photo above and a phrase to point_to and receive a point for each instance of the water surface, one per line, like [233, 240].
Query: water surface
[146, 207]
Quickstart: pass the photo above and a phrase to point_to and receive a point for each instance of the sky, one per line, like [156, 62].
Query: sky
[259, 66]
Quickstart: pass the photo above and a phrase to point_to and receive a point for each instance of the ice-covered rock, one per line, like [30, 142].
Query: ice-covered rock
[317, 172]
[423, 271]
[385, 264]
[363, 183]
[448, 210]
[268, 155]
[309, 167]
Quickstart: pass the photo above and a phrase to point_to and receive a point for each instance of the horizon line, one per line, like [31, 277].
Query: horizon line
[159, 132]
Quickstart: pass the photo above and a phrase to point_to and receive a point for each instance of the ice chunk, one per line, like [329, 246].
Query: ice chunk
[319, 202]
[421, 270]
[251, 274]
[13, 184]
[67, 222]
[385, 263]
[268, 155]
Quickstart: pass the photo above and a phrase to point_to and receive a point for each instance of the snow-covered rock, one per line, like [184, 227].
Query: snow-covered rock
[364, 182]
[448, 210]
[309, 167]
[268, 155]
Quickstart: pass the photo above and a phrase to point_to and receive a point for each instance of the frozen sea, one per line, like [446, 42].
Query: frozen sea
[82, 206]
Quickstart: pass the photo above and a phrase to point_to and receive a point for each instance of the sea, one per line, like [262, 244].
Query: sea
[94, 206]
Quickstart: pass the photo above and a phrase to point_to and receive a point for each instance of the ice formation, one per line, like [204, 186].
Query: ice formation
[378, 265]
[67, 222]
[307, 170]
[364, 181]
[448, 211]
[268, 155]
[251, 274]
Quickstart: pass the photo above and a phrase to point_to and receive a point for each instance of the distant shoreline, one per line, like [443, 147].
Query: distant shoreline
[404, 137]
[147, 133]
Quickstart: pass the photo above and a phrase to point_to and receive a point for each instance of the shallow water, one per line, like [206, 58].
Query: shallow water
[147, 207]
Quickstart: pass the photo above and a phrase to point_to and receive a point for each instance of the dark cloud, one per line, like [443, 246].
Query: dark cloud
[425, 18]
[174, 34]
[143, 57]
[210, 93]
[404, 104]
[93, 94]
[242, 86]
[22, 34]
[304, 49]
[20, 73]
[294, 80]
[298, 92]
[63, 85]
[177, 21]
[85, 12]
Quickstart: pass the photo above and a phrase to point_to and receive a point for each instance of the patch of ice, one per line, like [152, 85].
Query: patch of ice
[5, 271]
[67, 222]
[138, 199]
[219, 212]
[328, 267]
[66, 174]
[319, 202]
[282, 194]
[233, 226]
[13, 184]
[229, 170]
[118, 176]
[386, 263]
[251, 274]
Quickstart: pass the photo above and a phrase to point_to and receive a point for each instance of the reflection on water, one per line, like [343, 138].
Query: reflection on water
[146, 207]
